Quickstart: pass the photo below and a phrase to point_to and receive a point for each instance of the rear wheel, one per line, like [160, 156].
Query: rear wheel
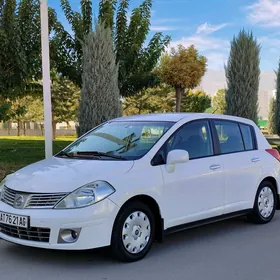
[133, 232]
[265, 203]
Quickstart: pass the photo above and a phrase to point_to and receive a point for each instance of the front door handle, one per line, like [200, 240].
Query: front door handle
[215, 166]
[256, 159]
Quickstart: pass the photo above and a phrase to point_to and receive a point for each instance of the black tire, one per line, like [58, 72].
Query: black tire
[118, 249]
[256, 216]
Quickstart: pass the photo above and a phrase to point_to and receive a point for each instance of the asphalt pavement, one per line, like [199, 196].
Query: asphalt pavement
[227, 250]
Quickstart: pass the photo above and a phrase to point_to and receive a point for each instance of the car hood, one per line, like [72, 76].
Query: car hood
[64, 175]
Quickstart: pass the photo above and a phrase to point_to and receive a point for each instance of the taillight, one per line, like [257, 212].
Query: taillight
[274, 153]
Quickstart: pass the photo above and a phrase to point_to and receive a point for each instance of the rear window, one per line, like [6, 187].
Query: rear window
[247, 137]
[229, 136]
[234, 137]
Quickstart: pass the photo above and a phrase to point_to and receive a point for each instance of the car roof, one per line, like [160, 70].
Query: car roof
[176, 117]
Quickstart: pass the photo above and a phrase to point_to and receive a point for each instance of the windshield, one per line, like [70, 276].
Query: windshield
[118, 140]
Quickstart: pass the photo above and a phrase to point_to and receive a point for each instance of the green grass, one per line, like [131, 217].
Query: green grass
[17, 152]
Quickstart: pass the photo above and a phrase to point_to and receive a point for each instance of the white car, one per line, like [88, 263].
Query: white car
[131, 180]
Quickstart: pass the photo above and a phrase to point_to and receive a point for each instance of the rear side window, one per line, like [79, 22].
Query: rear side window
[230, 137]
[247, 137]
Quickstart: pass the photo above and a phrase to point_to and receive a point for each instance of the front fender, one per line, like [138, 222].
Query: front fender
[142, 179]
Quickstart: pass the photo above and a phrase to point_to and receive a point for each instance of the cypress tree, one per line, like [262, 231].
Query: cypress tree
[243, 75]
[100, 98]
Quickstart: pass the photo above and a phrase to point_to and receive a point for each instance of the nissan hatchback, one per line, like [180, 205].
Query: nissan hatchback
[132, 180]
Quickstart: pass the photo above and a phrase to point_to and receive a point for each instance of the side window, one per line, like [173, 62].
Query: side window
[230, 137]
[247, 137]
[195, 138]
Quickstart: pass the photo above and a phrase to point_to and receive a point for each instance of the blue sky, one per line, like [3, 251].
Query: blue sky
[211, 24]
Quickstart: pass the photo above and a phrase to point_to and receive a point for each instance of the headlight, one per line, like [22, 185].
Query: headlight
[2, 184]
[86, 195]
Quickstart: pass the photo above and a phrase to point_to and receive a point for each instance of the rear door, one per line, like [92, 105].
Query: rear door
[241, 163]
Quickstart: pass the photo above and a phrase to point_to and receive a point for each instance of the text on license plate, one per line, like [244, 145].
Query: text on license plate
[14, 220]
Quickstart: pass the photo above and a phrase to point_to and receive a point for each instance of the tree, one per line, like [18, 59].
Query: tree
[24, 109]
[271, 117]
[34, 112]
[17, 109]
[135, 60]
[195, 102]
[210, 110]
[162, 100]
[100, 98]
[243, 74]
[152, 100]
[5, 106]
[135, 56]
[65, 100]
[29, 28]
[70, 55]
[13, 66]
[20, 49]
[182, 69]
[20, 44]
[219, 102]
[277, 106]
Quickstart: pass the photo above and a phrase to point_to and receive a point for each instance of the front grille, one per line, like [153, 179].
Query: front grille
[8, 196]
[32, 200]
[31, 234]
[44, 200]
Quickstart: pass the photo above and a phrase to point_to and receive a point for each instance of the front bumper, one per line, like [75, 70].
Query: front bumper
[96, 223]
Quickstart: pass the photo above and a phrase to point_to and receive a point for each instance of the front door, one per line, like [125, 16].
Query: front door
[195, 190]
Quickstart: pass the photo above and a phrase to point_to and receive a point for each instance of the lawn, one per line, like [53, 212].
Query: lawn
[17, 152]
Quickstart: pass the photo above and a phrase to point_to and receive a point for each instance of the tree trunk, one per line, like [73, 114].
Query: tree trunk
[18, 128]
[54, 129]
[179, 94]
[24, 128]
[42, 129]
[9, 128]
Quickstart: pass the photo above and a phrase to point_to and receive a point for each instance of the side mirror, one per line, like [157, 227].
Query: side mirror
[176, 157]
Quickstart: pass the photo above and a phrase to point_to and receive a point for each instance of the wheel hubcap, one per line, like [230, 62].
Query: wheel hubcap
[266, 202]
[136, 232]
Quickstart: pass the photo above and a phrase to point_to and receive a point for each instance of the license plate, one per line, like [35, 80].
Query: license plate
[14, 220]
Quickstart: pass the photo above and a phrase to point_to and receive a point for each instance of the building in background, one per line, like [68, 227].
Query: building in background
[264, 100]
[214, 80]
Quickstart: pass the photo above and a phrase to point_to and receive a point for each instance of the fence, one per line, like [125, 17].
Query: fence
[273, 140]
[37, 132]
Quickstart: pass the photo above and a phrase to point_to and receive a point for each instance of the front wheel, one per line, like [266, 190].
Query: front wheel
[133, 232]
[265, 203]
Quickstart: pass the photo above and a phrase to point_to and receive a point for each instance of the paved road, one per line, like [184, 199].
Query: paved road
[224, 251]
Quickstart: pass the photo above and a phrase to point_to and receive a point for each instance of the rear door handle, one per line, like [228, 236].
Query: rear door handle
[256, 159]
[215, 166]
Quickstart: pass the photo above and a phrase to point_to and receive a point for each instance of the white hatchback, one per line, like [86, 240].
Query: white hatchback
[131, 180]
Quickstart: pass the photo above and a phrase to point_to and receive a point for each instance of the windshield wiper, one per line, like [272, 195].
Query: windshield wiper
[100, 154]
[127, 146]
[63, 153]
